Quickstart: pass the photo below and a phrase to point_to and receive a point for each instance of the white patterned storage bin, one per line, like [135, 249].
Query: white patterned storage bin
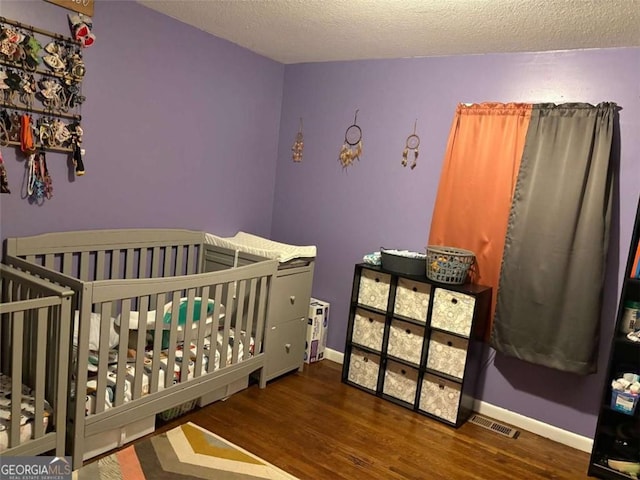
[412, 299]
[400, 382]
[364, 368]
[447, 354]
[452, 311]
[368, 329]
[374, 289]
[405, 341]
[440, 397]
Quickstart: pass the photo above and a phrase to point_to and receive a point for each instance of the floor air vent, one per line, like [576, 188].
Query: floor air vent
[494, 426]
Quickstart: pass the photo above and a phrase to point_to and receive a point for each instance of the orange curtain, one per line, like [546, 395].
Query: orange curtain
[477, 182]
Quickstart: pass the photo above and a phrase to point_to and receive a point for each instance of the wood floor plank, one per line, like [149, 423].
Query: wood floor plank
[315, 427]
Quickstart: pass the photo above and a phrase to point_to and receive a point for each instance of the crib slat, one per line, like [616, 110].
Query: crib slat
[250, 316]
[190, 260]
[142, 263]
[41, 353]
[122, 349]
[179, 258]
[262, 306]
[168, 251]
[84, 266]
[16, 377]
[49, 260]
[157, 344]
[173, 335]
[202, 328]
[187, 330]
[238, 322]
[138, 383]
[5, 352]
[115, 264]
[64, 373]
[103, 356]
[155, 269]
[230, 312]
[215, 323]
[155, 262]
[128, 271]
[67, 263]
[100, 265]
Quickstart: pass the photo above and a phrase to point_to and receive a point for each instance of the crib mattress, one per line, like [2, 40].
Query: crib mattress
[262, 247]
[27, 413]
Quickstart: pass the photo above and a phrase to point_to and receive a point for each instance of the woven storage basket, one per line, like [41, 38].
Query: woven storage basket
[448, 264]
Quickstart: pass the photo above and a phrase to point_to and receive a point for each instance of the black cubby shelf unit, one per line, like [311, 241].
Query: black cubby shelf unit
[416, 342]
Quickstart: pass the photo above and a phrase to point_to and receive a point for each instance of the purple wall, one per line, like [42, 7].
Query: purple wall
[181, 130]
[378, 203]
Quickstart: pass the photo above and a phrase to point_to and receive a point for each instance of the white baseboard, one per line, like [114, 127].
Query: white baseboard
[532, 425]
[500, 414]
[334, 355]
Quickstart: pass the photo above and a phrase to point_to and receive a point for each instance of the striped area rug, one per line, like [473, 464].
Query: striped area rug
[185, 452]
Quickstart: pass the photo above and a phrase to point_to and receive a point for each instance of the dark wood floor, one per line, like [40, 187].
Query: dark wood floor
[315, 427]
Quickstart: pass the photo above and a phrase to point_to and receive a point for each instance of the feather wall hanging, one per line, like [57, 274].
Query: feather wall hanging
[298, 145]
[411, 145]
[352, 146]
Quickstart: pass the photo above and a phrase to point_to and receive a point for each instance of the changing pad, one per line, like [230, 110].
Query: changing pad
[263, 247]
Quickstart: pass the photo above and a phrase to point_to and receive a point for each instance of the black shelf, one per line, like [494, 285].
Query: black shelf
[406, 376]
[613, 425]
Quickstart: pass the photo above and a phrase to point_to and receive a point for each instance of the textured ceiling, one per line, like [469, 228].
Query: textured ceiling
[297, 31]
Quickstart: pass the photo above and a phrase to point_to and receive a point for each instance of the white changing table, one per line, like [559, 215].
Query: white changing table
[290, 294]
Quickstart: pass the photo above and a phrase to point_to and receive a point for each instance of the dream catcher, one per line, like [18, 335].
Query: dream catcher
[412, 144]
[298, 145]
[352, 147]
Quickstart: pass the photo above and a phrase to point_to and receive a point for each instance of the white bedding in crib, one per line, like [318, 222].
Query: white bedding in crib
[263, 247]
[27, 412]
[95, 325]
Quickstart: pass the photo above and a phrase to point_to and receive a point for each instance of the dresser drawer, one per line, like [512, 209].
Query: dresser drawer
[447, 354]
[290, 297]
[440, 397]
[405, 341]
[364, 368]
[285, 346]
[368, 329]
[400, 382]
[374, 289]
[452, 311]
[412, 299]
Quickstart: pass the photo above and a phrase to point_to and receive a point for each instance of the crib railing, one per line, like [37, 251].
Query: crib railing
[35, 336]
[113, 254]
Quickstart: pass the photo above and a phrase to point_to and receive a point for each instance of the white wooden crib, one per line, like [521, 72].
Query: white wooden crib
[34, 345]
[151, 332]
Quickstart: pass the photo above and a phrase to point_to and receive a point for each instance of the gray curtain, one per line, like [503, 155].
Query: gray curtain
[550, 289]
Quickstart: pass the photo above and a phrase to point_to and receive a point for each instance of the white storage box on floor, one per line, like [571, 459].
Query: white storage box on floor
[317, 328]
